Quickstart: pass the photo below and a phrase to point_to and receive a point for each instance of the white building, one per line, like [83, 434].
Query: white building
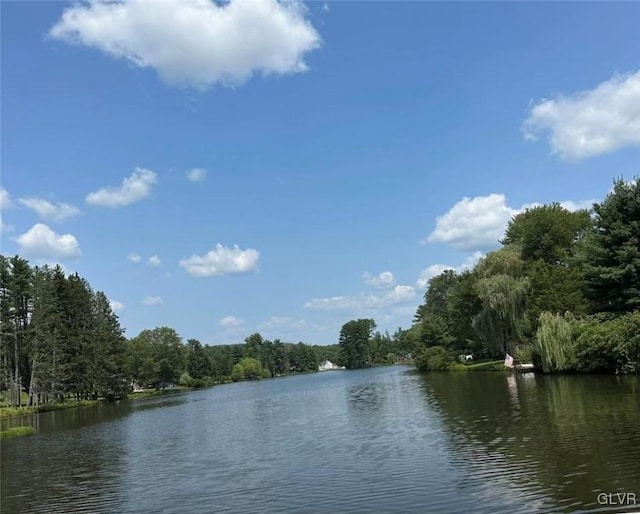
[328, 365]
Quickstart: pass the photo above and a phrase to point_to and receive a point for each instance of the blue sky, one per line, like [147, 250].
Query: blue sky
[286, 167]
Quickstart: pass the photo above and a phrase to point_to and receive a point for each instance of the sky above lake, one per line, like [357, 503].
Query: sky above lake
[283, 167]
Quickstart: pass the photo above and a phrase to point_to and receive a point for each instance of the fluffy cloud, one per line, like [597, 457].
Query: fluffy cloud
[589, 123]
[195, 42]
[150, 301]
[42, 242]
[222, 261]
[397, 295]
[50, 211]
[382, 280]
[436, 269]
[230, 321]
[5, 203]
[479, 223]
[154, 261]
[134, 188]
[116, 306]
[279, 326]
[572, 206]
[134, 257]
[473, 223]
[4, 227]
[283, 322]
[196, 175]
[5, 199]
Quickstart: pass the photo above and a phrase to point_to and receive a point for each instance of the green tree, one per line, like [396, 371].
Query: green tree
[79, 348]
[247, 369]
[302, 358]
[355, 337]
[59, 338]
[548, 233]
[436, 297]
[464, 305]
[554, 288]
[163, 346]
[502, 289]
[18, 290]
[435, 358]
[612, 270]
[110, 343]
[198, 364]
[281, 363]
[253, 346]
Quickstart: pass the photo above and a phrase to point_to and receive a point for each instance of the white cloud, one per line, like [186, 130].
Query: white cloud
[154, 261]
[134, 188]
[152, 300]
[50, 211]
[282, 326]
[42, 242]
[4, 227]
[230, 321]
[589, 123]
[429, 272]
[134, 257]
[436, 269]
[197, 43]
[283, 323]
[196, 175]
[222, 261]
[399, 294]
[5, 199]
[116, 306]
[382, 280]
[572, 206]
[473, 223]
[479, 223]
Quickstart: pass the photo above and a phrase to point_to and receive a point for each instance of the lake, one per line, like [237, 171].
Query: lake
[375, 440]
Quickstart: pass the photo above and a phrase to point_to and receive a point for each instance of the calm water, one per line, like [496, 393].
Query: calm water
[378, 440]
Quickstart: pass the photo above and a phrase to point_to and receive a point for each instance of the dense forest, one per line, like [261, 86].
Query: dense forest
[61, 340]
[563, 290]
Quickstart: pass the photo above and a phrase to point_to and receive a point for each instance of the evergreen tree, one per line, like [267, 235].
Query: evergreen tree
[355, 337]
[612, 270]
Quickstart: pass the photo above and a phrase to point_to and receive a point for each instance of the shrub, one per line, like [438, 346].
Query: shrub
[17, 432]
[186, 380]
[609, 346]
[434, 358]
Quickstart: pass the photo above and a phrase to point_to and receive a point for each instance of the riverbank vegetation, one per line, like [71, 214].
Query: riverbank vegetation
[17, 432]
[62, 346]
[563, 290]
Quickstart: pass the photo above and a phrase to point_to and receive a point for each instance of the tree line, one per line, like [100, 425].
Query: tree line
[60, 339]
[563, 290]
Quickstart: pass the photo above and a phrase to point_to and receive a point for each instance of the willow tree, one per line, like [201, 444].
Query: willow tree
[502, 289]
[553, 341]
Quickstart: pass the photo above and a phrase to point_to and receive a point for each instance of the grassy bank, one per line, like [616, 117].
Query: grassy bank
[17, 432]
[480, 366]
[149, 393]
[11, 412]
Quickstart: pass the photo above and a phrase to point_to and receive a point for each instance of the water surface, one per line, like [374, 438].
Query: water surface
[377, 440]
